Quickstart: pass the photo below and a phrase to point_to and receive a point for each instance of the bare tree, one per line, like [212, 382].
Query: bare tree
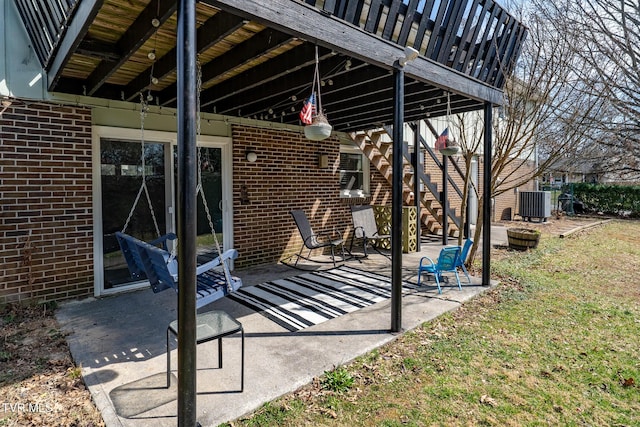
[547, 111]
[607, 34]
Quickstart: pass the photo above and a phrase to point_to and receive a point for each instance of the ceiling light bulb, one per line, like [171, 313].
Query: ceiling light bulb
[294, 98]
[155, 22]
[154, 80]
[152, 55]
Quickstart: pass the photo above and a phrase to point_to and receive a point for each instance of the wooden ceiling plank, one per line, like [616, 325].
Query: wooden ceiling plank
[259, 45]
[359, 78]
[135, 36]
[296, 82]
[217, 28]
[258, 73]
[299, 57]
[98, 49]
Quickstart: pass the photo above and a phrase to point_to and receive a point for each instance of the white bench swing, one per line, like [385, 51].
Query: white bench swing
[154, 261]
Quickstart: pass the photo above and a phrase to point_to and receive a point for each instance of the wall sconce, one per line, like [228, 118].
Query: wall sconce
[251, 156]
[323, 161]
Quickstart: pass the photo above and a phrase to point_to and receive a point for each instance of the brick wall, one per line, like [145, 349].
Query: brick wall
[46, 238]
[506, 203]
[46, 250]
[286, 177]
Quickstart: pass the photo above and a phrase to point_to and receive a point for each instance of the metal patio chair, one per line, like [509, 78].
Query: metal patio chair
[312, 240]
[447, 263]
[365, 228]
[463, 258]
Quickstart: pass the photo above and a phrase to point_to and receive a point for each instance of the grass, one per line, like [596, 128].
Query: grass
[556, 343]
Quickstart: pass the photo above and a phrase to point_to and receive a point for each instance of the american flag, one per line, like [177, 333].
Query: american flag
[308, 109]
[441, 142]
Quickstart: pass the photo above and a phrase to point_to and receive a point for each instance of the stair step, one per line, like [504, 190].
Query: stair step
[378, 149]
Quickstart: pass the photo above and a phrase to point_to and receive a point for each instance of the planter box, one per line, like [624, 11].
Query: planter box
[522, 239]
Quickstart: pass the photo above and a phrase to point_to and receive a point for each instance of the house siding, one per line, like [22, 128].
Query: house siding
[46, 227]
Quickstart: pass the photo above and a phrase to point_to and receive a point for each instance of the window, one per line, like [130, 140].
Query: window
[354, 173]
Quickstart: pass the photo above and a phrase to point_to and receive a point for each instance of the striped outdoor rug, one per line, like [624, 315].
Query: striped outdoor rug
[311, 298]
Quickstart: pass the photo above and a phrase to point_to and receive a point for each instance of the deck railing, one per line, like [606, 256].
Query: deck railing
[45, 21]
[476, 37]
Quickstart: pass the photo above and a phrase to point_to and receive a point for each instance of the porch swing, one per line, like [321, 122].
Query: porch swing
[213, 278]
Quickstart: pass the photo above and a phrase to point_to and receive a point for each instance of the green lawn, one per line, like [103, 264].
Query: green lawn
[556, 343]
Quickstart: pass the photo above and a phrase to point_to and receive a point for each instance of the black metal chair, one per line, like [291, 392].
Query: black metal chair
[312, 240]
[365, 228]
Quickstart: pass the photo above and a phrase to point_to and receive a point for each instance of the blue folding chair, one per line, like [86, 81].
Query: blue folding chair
[448, 262]
[463, 258]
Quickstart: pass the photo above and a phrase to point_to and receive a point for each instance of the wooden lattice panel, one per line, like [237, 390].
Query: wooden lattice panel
[409, 227]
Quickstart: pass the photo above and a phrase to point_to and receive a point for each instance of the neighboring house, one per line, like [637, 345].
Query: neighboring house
[594, 164]
[83, 83]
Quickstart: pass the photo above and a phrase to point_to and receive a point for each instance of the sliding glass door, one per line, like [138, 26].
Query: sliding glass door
[124, 204]
[120, 204]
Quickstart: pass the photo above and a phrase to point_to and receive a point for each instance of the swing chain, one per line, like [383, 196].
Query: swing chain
[144, 107]
[200, 187]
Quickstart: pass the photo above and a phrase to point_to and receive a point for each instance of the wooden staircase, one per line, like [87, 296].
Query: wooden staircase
[379, 151]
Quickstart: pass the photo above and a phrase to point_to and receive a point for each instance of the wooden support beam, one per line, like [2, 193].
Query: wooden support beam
[217, 28]
[137, 34]
[296, 58]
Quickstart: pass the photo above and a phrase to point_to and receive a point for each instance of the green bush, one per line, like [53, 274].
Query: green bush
[608, 198]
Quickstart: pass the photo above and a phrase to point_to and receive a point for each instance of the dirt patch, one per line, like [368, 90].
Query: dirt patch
[39, 383]
[556, 225]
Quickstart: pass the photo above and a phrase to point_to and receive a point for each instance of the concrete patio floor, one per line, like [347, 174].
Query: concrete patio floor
[120, 343]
